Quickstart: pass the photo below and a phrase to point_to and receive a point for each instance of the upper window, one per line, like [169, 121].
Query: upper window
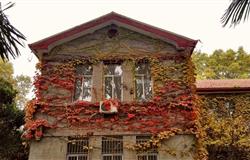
[77, 149]
[151, 154]
[230, 107]
[143, 82]
[113, 81]
[83, 82]
[112, 148]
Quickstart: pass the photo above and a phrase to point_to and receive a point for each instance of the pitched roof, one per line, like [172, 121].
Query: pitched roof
[113, 18]
[223, 85]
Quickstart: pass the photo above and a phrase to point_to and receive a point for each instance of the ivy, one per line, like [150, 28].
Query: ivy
[227, 128]
[174, 109]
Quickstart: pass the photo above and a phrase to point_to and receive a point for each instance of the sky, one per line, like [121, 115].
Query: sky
[196, 19]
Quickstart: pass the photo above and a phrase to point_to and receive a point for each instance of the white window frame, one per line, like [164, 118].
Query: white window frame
[147, 155]
[82, 87]
[113, 77]
[143, 84]
[82, 76]
[142, 76]
[112, 156]
[77, 156]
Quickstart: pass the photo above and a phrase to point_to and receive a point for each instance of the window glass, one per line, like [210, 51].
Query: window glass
[83, 87]
[77, 149]
[230, 107]
[112, 148]
[143, 82]
[84, 69]
[113, 81]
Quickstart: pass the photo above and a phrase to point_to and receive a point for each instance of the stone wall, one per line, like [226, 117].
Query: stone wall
[126, 42]
[49, 148]
[179, 147]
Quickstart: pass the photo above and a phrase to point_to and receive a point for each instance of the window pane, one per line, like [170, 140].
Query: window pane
[112, 145]
[143, 82]
[113, 83]
[113, 69]
[150, 154]
[78, 89]
[139, 88]
[229, 105]
[152, 157]
[84, 69]
[148, 87]
[77, 146]
[84, 82]
[117, 157]
[72, 158]
[108, 87]
[87, 81]
[142, 157]
[76, 149]
[83, 89]
[142, 68]
[107, 157]
[83, 158]
[86, 94]
[117, 87]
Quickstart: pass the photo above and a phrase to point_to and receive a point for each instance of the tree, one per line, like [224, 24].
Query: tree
[23, 86]
[237, 11]
[221, 64]
[6, 71]
[226, 128]
[20, 83]
[10, 37]
[11, 119]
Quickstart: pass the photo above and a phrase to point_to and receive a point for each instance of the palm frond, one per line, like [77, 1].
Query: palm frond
[10, 37]
[237, 11]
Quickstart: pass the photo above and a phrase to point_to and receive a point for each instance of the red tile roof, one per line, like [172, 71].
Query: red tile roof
[120, 20]
[225, 85]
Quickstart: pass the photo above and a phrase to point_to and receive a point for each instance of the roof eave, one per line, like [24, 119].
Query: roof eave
[223, 90]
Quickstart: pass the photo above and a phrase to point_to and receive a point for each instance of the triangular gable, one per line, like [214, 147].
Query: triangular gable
[180, 42]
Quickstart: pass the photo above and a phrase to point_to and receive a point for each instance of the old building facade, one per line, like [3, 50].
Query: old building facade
[114, 89]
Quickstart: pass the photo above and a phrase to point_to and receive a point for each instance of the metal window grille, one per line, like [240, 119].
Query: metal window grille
[113, 81]
[143, 82]
[112, 148]
[77, 149]
[151, 154]
[83, 88]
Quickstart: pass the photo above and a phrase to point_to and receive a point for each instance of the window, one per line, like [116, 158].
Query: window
[230, 107]
[83, 82]
[77, 149]
[151, 154]
[143, 83]
[113, 81]
[112, 148]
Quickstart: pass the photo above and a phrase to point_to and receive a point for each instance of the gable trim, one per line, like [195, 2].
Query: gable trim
[180, 42]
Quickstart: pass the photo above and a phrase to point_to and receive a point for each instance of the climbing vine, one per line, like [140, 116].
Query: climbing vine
[174, 109]
[225, 120]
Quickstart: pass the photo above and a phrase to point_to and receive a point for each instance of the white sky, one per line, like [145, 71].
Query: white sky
[196, 19]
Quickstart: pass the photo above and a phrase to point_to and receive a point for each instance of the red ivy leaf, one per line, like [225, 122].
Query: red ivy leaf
[130, 116]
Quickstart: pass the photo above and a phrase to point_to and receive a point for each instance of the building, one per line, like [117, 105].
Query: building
[225, 117]
[114, 89]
